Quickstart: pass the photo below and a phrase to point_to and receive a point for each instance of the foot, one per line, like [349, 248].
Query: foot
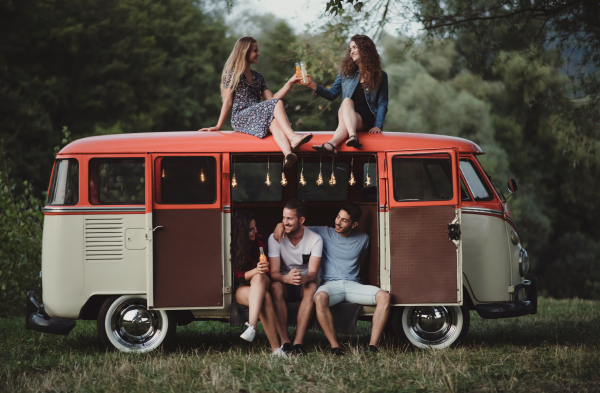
[299, 140]
[353, 142]
[287, 347]
[326, 148]
[249, 334]
[371, 349]
[299, 349]
[336, 351]
[290, 159]
[279, 353]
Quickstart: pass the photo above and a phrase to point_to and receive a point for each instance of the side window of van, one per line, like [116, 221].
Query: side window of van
[327, 191]
[186, 180]
[422, 178]
[475, 181]
[117, 181]
[64, 187]
[251, 186]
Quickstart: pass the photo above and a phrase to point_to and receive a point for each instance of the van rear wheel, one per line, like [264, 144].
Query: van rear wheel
[434, 327]
[126, 324]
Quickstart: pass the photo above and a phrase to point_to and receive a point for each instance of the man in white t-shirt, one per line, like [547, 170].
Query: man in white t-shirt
[294, 266]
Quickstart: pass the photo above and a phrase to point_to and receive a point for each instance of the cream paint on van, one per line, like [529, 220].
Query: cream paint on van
[384, 251]
[62, 267]
[486, 259]
[514, 258]
[110, 266]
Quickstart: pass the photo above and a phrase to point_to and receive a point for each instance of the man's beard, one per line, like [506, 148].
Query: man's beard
[293, 231]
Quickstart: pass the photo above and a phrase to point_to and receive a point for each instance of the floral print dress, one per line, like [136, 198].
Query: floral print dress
[249, 114]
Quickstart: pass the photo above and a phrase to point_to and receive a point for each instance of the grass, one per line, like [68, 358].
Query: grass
[556, 350]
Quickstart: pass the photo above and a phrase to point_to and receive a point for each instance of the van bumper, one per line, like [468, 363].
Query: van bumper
[517, 308]
[37, 319]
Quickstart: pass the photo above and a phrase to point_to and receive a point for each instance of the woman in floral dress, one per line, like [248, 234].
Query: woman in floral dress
[242, 90]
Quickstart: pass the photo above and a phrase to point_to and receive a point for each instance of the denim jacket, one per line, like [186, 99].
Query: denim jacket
[376, 100]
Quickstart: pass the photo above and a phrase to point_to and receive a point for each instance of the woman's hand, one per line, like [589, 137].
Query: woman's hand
[375, 130]
[263, 267]
[294, 80]
[215, 128]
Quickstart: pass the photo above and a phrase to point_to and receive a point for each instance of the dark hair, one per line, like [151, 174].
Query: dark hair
[369, 60]
[353, 211]
[297, 205]
[240, 239]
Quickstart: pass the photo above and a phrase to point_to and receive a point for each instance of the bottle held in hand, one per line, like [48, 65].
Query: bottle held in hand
[263, 257]
[298, 71]
[303, 74]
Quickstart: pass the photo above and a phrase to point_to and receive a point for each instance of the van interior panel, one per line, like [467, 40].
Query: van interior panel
[424, 260]
[187, 258]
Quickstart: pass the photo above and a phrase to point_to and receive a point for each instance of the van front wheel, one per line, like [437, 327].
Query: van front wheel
[434, 327]
[126, 324]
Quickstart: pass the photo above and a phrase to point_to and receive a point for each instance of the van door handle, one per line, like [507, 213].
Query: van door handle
[157, 228]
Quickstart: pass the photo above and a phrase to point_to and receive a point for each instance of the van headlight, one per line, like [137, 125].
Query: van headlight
[523, 262]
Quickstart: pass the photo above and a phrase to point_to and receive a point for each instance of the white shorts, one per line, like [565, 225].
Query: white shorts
[349, 291]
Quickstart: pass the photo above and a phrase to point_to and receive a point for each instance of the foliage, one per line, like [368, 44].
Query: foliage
[21, 220]
[556, 350]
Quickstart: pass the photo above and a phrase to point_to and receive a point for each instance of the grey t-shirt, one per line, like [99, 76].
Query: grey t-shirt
[296, 257]
[341, 255]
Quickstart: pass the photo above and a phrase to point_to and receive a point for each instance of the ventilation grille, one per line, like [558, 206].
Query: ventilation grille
[104, 239]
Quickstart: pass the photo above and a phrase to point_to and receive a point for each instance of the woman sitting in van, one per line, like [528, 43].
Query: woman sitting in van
[364, 88]
[251, 280]
[242, 90]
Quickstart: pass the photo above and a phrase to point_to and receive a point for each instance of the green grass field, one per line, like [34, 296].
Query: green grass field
[556, 350]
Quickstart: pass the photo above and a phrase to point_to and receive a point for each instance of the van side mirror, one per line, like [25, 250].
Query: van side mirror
[513, 186]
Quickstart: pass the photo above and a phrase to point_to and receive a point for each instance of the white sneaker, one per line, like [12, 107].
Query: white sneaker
[249, 334]
[279, 353]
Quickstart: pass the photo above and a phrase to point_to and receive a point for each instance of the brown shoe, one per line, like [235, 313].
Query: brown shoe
[290, 159]
[298, 141]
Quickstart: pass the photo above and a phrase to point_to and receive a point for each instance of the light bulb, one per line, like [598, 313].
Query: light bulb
[163, 173]
[283, 179]
[302, 180]
[332, 180]
[368, 181]
[202, 177]
[268, 182]
[320, 180]
[233, 181]
[352, 181]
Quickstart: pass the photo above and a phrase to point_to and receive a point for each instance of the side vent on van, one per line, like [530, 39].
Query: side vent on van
[104, 239]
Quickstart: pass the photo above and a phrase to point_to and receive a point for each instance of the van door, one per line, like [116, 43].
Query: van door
[424, 227]
[187, 263]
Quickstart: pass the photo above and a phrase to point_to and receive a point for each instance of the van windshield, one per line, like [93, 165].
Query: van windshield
[64, 188]
[475, 182]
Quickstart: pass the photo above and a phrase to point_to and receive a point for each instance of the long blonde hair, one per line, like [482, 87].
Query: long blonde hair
[236, 64]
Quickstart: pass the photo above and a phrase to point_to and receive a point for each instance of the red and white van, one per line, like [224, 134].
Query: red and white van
[137, 230]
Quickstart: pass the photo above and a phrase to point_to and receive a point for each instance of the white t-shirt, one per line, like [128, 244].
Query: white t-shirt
[296, 257]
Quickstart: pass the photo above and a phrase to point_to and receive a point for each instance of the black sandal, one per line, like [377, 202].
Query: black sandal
[322, 149]
[353, 142]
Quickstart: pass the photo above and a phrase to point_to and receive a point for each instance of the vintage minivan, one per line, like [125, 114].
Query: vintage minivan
[137, 231]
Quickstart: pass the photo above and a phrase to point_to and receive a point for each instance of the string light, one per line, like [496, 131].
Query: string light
[332, 180]
[302, 180]
[283, 179]
[320, 178]
[163, 173]
[268, 182]
[368, 178]
[352, 181]
[233, 179]
[202, 177]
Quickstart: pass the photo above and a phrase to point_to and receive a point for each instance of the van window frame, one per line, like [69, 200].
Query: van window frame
[482, 178]
[89, 187]
[53, 179]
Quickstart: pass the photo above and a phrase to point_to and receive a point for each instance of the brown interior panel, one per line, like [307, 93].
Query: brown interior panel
[423, 260]
[187, 258]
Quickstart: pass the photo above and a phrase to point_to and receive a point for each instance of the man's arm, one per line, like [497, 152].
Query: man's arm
[313, 269]
[275, 266]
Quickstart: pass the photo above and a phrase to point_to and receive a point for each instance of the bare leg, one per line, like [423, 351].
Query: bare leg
[269, 321]
[380, 316]
[352, 119]
[305, 311]
[282, 120]
[325, 318]
[278, 294]
[280, 137]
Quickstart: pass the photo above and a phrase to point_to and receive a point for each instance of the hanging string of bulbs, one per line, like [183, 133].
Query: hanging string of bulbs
[302, 181]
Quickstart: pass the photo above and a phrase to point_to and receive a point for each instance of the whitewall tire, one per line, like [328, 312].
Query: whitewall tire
[127, 325]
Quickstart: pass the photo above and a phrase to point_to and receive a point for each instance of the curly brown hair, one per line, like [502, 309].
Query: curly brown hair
[370, 62]
[240, 239]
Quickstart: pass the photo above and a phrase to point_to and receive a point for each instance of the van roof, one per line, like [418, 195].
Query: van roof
[230, 141]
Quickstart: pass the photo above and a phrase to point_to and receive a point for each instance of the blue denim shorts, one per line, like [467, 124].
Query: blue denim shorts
[349, 291]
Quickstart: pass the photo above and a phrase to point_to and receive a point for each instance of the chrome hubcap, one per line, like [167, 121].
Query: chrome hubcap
[134, 326]
[432, 325]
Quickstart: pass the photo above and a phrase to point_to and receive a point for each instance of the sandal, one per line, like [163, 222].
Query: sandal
[290, 159]
[353, 142]
[298, 141]
[323, 149]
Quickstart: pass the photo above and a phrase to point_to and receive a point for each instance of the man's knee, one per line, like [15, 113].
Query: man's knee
[383, 298]
[322, 299]
[309, 290]
[277, 290]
